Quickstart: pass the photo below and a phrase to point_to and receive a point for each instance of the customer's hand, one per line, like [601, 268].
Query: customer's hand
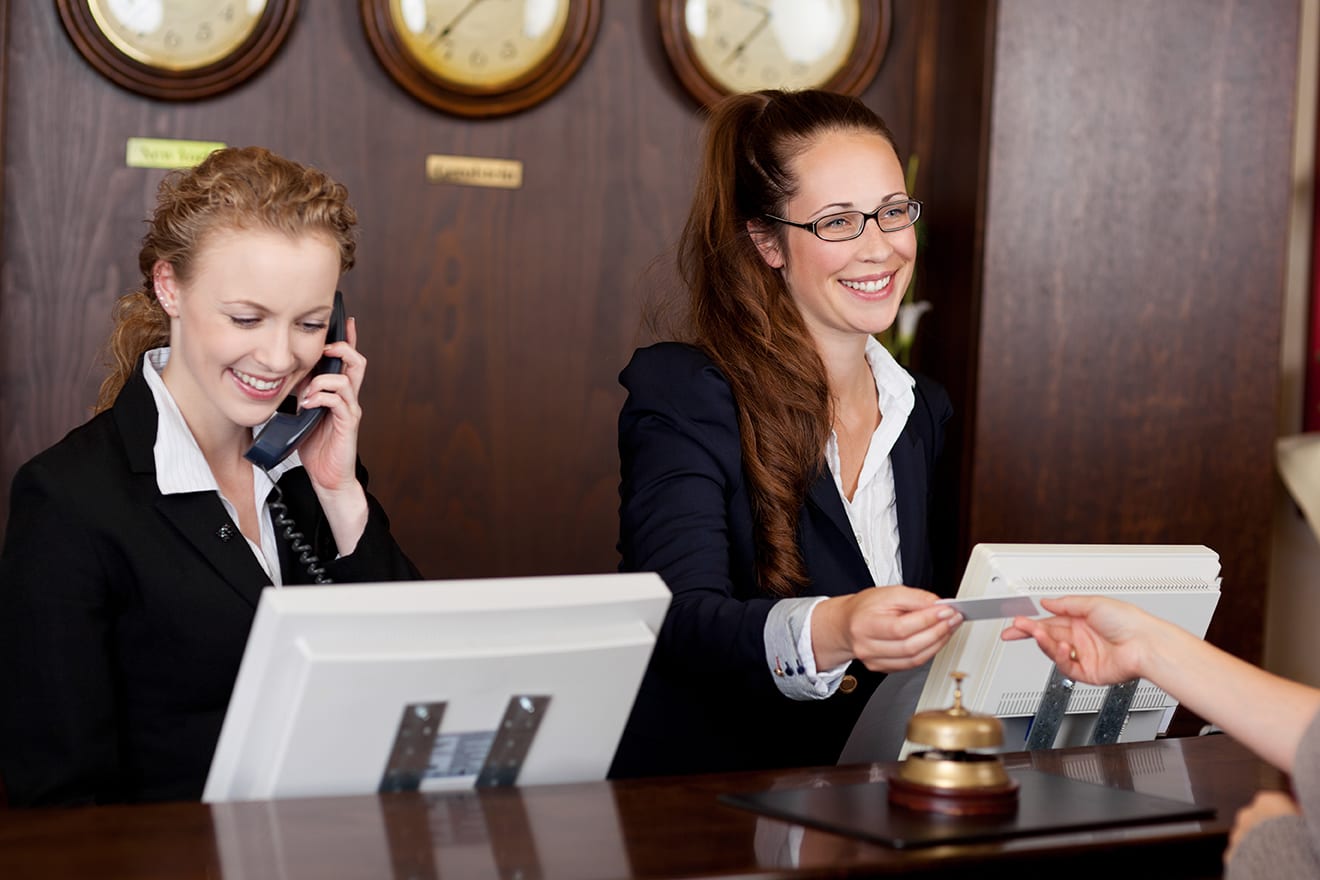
[1266, 805]
[1091, 638]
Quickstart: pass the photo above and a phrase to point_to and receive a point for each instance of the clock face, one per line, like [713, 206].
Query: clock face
[481, 45]
[481, 58]
[720, 47]
[177, 50]
[177, 35]
[745, 45]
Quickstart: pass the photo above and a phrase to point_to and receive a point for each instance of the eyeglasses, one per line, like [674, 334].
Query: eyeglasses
[889, 217]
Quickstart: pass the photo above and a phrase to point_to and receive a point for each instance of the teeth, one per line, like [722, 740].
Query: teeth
[254, 382]
[868, 286]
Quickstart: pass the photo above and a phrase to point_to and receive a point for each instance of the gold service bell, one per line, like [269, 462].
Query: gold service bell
[949, 777]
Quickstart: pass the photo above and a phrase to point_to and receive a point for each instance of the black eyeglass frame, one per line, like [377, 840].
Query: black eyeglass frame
[874, 215]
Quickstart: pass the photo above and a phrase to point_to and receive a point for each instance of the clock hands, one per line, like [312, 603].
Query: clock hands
[753, 33]
[453, 22]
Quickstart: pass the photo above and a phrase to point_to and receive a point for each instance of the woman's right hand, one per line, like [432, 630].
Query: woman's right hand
[887, 628]
[1092, 638]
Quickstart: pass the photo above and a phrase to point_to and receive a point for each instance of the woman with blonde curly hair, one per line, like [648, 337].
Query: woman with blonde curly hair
[137, 546]
[776, 465]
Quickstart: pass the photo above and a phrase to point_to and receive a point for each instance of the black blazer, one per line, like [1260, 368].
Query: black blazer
[124, 613]
[708, 701]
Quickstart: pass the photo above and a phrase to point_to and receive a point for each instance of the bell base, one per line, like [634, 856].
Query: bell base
[982, 801]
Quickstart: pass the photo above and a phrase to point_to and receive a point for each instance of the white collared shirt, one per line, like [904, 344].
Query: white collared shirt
[873, 510]
[873, 514]
[181, 467]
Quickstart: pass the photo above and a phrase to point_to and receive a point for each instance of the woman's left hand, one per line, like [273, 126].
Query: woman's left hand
[329, 455]
[1266, 805]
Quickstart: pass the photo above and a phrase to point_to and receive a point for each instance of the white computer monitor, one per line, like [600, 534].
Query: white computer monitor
[354, 689]
[1008, 679]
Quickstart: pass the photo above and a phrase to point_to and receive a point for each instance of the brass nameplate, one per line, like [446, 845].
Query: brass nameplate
[467, 171]
[168, 153]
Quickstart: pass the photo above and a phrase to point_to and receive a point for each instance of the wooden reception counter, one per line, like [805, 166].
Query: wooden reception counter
[647, 828]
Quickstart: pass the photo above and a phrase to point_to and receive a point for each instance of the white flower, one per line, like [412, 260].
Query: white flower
[909, 314]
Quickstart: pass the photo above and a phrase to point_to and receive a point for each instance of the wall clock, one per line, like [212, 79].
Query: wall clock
[177, 49]
[719, 47]
[481, 57]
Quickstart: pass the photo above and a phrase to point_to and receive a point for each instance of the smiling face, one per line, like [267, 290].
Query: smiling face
[246, 326]
[843, 289]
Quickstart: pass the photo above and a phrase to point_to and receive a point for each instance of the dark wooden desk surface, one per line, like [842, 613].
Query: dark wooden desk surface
[646, 828]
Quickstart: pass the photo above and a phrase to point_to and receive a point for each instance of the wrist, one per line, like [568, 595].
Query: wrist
[831, 641]
[348, 496]
[347, 511]
[1163, 650]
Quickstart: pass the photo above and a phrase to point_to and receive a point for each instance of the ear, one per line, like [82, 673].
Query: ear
[767, 243]
[166, 285]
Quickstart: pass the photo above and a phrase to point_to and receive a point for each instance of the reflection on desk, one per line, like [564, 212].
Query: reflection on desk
[639, 828]
[463, 834]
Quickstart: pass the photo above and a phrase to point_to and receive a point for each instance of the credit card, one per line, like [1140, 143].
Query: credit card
[993, 607]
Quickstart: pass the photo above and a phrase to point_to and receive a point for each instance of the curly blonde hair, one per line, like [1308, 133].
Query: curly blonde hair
[235, 188]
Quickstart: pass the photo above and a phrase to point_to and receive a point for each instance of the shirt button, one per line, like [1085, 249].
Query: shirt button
[848, 684]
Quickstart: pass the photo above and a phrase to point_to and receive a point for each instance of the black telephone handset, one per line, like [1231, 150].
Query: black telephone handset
[286, 431]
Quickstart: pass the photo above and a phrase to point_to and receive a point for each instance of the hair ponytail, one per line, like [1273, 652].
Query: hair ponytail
[140, 325]
[741, 313]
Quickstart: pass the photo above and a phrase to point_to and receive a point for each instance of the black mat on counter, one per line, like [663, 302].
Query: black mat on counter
[1047, 804]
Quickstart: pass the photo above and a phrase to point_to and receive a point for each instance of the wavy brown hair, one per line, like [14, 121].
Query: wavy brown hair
[740, 313]
[236, 188]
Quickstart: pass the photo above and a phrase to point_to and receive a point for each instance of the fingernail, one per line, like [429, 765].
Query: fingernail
[945, 613]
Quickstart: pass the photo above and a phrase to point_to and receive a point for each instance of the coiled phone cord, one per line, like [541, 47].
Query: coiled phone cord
[279, 512]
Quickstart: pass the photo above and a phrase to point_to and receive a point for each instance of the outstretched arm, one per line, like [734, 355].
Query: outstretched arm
[1104, 641]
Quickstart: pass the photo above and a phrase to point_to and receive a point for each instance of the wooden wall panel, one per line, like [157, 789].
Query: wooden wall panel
[1104, 185]
[954, 91]
[495, 321]
[1127, 365]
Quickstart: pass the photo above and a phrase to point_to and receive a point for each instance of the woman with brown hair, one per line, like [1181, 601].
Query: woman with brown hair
[137, 546]
[776, 467]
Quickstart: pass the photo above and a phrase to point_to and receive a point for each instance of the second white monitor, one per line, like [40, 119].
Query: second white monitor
[330, 673]
[1008, 679]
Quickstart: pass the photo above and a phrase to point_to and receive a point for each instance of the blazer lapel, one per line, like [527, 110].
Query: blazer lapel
[201, 519]
[910, 480]
[824, 496]
[908, 459]
[197, 516]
